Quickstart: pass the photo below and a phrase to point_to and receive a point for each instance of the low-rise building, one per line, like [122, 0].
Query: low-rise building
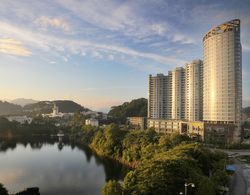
[20, 119]
[198, 130]
[219, 133]
[168, 126]
[138, 122]
[92, 122]
[56, 114]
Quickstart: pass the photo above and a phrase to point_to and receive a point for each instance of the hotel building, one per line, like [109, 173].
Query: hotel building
[205, 97]
[222, 89]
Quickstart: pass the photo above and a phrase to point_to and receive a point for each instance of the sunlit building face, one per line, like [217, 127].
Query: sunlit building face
[193, 91]
[222, 97]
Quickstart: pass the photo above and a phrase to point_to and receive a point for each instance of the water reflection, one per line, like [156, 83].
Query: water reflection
[55, 167]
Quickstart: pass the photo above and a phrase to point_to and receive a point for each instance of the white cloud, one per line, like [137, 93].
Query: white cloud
[178, 37]
[58, 23]
[49, 43]
[246, 47]
[111, 57]
[13, 47]
[123, 18]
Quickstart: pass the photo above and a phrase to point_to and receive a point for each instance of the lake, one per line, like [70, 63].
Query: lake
[55, 167]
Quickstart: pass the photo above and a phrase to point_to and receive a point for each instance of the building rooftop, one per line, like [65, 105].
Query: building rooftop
[227, 26]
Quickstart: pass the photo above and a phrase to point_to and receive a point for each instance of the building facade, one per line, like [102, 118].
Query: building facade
[139, 123]
[158, 101]
[222, 88]
[168, 126]
[194, 91]
[92, 122]
[178, 93]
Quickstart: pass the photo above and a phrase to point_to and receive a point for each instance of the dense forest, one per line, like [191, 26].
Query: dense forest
[160, 164]
[39, 126]
[137, 107]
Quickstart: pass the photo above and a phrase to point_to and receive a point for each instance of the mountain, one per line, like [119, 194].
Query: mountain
[137, 107]
[42, 107]
[23, 101]
[7, 108]
[45, 107]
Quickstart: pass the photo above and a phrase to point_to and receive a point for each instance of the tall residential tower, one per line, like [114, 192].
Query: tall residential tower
[194, 91]
[178, 93]
[158, 101]
[222, 96]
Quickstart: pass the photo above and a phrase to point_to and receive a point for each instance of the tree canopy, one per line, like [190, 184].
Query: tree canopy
[137, 107]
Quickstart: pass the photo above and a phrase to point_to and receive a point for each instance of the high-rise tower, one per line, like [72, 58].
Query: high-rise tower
[222, 96]
[158, 103]
[194, 90]
[178, 93]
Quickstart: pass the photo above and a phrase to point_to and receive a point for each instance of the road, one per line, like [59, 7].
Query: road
[241, 182]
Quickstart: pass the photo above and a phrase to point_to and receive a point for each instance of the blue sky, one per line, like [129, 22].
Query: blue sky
[100, 53]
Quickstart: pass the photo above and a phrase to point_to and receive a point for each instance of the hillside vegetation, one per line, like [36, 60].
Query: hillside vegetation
[7, 108]
[42, 107]
[137, 107]
[160, 164]
[246, 111]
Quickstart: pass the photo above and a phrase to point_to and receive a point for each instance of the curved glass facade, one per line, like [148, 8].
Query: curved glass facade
[222, 87]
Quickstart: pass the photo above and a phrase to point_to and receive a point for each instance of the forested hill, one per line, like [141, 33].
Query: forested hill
[137, 107]
[246, 111]
[42, 107]
[45, 107]
[7, 108]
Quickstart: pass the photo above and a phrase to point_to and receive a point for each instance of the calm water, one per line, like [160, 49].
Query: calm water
[55, 168]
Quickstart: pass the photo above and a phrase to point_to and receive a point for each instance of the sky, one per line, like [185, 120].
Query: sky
[100, 53]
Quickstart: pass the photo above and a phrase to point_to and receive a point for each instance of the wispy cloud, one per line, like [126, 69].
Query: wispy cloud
[58, 23]
[51, 43]
[109, 88]
[246, 47]
[13, 47]
[124, 18]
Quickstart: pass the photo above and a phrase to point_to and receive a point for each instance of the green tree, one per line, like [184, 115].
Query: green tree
[137, 107]
[109, 141]
[3, 190]
[112, 187]
[205, 186]
[161, 176]
[137, 143]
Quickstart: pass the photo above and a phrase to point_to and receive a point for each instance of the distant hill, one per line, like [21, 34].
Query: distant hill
[42, 107]
[23, 101]
[45, 107]
[137, 107]
[246, 111]
[7, 108]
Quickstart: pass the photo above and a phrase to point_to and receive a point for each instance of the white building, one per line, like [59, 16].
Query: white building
[56, 113]
[222, 97]
[92, 122]
[20, 119]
